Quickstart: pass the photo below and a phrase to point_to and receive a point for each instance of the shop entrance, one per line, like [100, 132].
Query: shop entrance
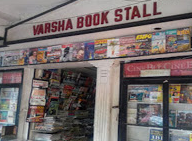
[156, 108]
[61, 106]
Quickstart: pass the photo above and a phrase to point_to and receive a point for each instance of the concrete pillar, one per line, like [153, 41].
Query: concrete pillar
[107, 92]
[26, 90]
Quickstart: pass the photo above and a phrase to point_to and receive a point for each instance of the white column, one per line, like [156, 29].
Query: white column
[25, 94]
[107, 84]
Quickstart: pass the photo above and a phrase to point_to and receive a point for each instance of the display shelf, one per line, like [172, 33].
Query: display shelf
[143, 102]
[180, 106]
[131, 125]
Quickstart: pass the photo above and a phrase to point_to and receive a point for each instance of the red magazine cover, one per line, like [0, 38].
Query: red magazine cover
[12, 77]
[35, 114]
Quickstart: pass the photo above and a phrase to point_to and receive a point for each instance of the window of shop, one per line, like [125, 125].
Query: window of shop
[155, 102]
[10, 96]
[61, 105]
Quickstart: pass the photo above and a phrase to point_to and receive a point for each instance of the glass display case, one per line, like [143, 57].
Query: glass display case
[10, 89]
[156, 109]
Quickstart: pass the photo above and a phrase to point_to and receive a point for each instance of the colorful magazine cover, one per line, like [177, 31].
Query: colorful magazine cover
[112, 48]
[11, 58]
[40, 84]
[38, 97]
[156, 135]
[172, 118]
[149, 114]
[183, 39]
[2, 54]
[42, 55]
[100, 49]
[67, 53]
[171, 40]
[12, 77]
[24, 57]
[53, 108]
[3, 116]
[143, 44]
[186, 94]
[174, 93]
[127, 46]
[53, 54]
[4, 104]
[158, 42]
[179, 137]
[35, 114]
[184, 119]
[78, 52]
[89, 50]
[33, 55]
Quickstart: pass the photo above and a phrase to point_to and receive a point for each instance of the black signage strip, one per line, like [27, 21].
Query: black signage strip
[113, 27]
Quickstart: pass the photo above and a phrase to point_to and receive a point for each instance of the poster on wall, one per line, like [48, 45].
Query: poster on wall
[112, 48]
[78, 52]
[38, 97]
[89, 50]
[53, 54]
[156, 135]
[183, 39]
[127, 46]
[33, 55]
[158, 43]
[171, 40]
[35, 114]
[67, 53]
[12, 58]
[100, 49]
[42, 55]
[143, 44]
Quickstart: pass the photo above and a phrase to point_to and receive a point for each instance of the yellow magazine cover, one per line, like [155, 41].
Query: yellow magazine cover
[174, 93]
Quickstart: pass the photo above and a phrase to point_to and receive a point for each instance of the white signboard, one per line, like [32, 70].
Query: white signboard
[154, 73]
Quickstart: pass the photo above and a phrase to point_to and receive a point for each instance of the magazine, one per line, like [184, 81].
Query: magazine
[33, 55]
[131, 116]
[40, 84]
[179, 137]
[24, 57]
[149, 114]
[100, 49]
[12, 77]
[38, 97]
[53, 108]
[11, 58]
[171, 40]
[4, 104]
[183, 39]
[127, 46]
[53, 54]
[172, 118]
[2, 54]
[185, 94]
[174, 93]
[158, 42]
[35, 114]
[112, 48]
[143, 44]
[156, 135]
[184, 119]
[42, 55]
[3, 116]
[67, 53]
[89, 50]
[78, 52]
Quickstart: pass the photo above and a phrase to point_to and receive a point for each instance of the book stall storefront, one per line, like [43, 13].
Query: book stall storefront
[98, 77]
